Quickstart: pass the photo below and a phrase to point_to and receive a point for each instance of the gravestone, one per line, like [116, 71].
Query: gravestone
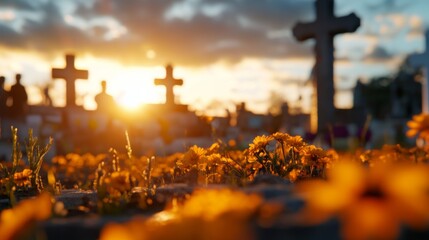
[70, 74]
[169, 82]
[422, 60]
[323, 31]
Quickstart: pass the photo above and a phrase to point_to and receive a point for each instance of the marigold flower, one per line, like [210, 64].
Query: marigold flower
[419, 126]
[118, 182]
[314, 155]
[258, 146]
[370, 202]
[193, 155]
[23, 178]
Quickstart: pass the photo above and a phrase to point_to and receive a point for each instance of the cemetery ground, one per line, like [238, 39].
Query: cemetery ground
[279, 187]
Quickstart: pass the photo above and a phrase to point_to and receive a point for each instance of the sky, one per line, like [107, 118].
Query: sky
[226, 51]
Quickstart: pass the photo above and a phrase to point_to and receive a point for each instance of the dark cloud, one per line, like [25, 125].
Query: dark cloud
[10, 37]
[251, 28]
[379, 53]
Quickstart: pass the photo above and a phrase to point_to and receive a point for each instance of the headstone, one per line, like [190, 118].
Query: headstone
[422, 60]
[323, 31]
[70, 74]
[169, 82]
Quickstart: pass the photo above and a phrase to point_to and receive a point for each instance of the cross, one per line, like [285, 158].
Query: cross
[323, 31]
[169, 82]
[70, 74]
[422, 60]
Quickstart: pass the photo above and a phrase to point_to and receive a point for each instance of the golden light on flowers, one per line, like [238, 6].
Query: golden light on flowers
[118, 182]
[419, 126]
[220, 202]
[193, 155]
[14, 221]
[289, 141]
[257, 147]
[23, 178]
[206, 215]
[260, 142]
[370, 202]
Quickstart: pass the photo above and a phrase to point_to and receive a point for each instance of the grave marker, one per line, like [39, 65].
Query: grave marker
[169, 82]
[70, 74]
[422, 60]
[323, 31]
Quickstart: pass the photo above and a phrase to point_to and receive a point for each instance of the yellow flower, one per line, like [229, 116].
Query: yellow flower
[370, 202]
[214, 148]
[280, 137]
[314, 155]
[295, 143]
[258, 146]
[193, 155]
[23, 178]
[293, 175]
[419, 126]
[118, 182]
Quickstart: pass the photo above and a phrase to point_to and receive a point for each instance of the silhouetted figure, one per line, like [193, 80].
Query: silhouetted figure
[3, 98]
[19, 97]
[105, 102]
[46, 97]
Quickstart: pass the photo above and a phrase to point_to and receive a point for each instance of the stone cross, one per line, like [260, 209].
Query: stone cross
[323, 31]
[422, 60]
[169, 82]
[70, 74]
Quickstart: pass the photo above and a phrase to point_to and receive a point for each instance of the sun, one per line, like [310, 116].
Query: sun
[136, 96]
[135, 88]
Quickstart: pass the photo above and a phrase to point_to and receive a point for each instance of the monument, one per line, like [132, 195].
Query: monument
[169, 82]
[70, 74]
[422, 60]
[323, 30]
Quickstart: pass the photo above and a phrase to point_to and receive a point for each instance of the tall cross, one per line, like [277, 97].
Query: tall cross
[169, 82]
[422, 60]
[323, 31]
[70, 74]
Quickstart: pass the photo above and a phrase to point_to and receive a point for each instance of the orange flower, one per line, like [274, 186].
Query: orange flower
[23, 178]
[419, 126]
[193, 156]
[258, 146]
[118, 182]
[371, 203]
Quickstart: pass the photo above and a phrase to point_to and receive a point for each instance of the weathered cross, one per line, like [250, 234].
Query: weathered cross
[169, 82]
[422, 60]
[70, 74]
[323, 30]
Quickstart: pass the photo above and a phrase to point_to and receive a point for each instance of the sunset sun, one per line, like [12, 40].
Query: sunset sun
[134, 88]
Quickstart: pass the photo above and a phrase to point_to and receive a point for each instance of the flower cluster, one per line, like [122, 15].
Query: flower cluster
[371, 203]
[287, 156]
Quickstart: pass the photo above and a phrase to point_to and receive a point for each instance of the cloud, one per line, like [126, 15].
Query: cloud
[17, 4]
[185, 32]
[379, 53]
[205, 32]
